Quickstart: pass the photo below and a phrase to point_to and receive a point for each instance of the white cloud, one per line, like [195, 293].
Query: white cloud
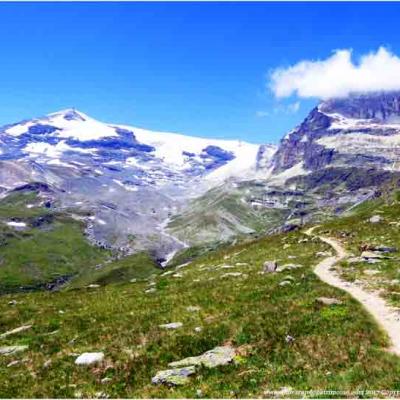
[338, 75]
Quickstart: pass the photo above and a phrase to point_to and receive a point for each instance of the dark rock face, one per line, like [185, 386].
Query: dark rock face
[352, 178]
[370, 114]
[381, 107]
[300, 144]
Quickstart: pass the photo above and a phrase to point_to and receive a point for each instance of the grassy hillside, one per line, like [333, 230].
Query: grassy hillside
[282, 335]
[358, 234]
[222, 213]
[51, 246]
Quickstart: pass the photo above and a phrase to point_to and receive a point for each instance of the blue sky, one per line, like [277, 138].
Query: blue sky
[195, 68]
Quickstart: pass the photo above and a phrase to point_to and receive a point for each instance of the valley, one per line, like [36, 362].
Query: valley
[146, 264]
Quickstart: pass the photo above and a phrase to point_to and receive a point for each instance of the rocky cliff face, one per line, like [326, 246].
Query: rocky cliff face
[357, 131]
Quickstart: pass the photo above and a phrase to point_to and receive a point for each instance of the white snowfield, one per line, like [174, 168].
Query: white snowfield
[83, 128]
[175, 151]
[170, 147]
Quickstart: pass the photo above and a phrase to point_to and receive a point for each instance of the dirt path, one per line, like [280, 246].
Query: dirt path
[387, 317]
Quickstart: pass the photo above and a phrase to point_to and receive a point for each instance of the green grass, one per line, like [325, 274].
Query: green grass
[356, 231]
[54, 246]
[137, 266]
[335, 347]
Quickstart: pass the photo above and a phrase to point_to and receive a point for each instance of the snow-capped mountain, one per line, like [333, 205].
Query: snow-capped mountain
[130, 180]
[72, 139]
[360, 131]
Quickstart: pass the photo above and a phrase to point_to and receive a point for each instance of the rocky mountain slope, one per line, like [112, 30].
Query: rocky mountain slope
[129, 180]
[161, 192]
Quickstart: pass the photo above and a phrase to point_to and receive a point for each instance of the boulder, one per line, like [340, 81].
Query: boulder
[10, 350]
[16, 330]
[270, 266]
[329, 301]
[371, 272]
[222, 355]
[375, 219]
[174, 377]
[171, 325]
[192, 308]
[89, 358]
[371, 254]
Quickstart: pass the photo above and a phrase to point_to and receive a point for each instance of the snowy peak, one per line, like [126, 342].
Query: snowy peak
[361, 131]
[69, 138]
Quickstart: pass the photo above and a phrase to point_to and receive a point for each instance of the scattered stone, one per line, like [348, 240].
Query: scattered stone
[371, 272]
[354, 260]
[167, 273]
[199, 393]
[16, 330]
[226, 267]
[291, 257]
[182, 265]
[222, 355]
[285, 283]
[89, 358]
[177, 275]
[270, 266]
[241, 264]
[373, 261]
[375, 219]
[198, 329]
[192, 308]
[174, 377]
[47, 364]
[10, 350]
[93, 286]
[323, 254]
[329, 301]
[171, 325]
[151, 290]
[12, 363]
[106, 380]
[288, 267]
[134, 280]
[286, 246]
[371, 254]
[289, 339]
[12, 303]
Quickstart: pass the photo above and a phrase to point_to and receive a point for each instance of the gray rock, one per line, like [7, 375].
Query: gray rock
[218, 356]
[323, 254]
[10, 350]
[287, 267]
[371, 272]
[192, 308]
[174, 377]
[270, 266]
[89, 358]
[375, 219]
[172, 325]
[16, 330]
[329, 301]
[371, 254]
